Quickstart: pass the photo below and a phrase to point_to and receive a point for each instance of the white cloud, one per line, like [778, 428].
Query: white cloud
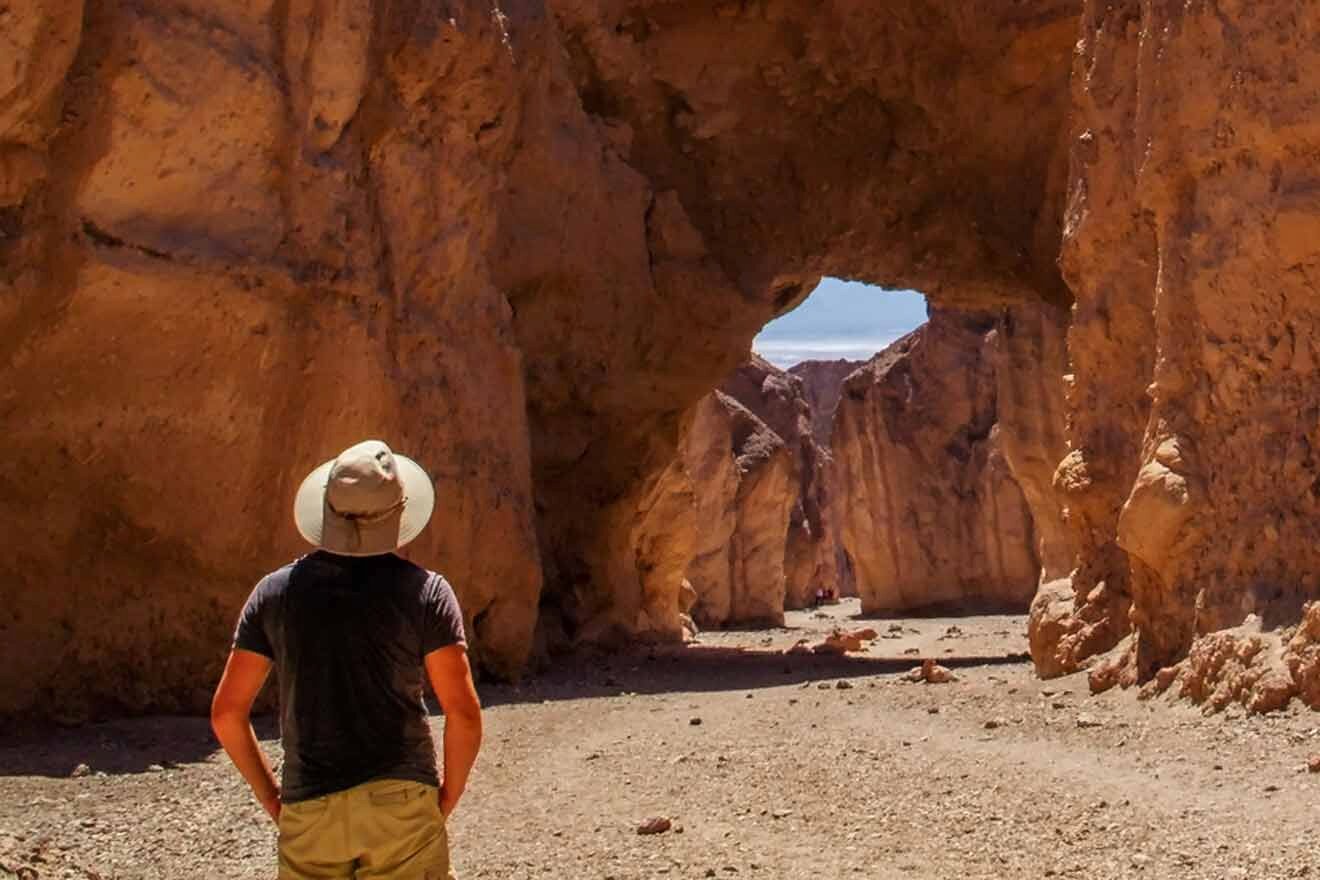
[784, 353]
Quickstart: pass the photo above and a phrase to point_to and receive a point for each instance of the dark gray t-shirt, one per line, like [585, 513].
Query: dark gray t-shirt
[347, 636]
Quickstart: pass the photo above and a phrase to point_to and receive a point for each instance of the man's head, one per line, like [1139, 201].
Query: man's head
[364, 502]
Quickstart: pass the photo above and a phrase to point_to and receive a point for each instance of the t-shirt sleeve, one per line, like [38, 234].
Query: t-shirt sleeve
[442, 619]
[250, 634]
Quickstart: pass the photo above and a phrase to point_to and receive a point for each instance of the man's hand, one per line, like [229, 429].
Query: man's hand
[447, 802]
[271, 804]
[451, 679]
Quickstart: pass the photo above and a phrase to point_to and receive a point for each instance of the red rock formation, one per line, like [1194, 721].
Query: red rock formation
[928, 508]
[822, 382]
[746, 486]
[233, 240]
[760, 506]
[738, 219]
[521, 242]
[1188, 242]
[518, 243]
[1031, 363]
[812, 553]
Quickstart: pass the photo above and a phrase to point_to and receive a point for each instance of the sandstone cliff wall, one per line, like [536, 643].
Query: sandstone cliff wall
[642, 254]
[237, 238]
[822, 382]
[746, 479]
[812, 556]
[928, 508]
[756, 522]
[1189, 239]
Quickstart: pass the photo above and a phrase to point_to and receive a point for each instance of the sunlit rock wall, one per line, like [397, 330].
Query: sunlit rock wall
[1190, 241]
[929, 510]
[812, 554]
[745, 480]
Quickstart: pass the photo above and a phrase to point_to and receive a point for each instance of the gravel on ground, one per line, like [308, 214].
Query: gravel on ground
[764, 765]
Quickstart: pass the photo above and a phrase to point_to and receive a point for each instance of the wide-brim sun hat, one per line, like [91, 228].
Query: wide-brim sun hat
[365, 501]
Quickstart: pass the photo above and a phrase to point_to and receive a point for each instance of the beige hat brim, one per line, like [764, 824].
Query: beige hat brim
[310, 513]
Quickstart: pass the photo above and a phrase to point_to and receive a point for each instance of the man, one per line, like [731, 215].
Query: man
[350, 629]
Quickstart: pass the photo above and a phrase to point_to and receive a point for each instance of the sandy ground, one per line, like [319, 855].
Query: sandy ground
[771, 766]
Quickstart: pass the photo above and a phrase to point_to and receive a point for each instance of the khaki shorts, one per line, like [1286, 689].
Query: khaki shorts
[388, 829]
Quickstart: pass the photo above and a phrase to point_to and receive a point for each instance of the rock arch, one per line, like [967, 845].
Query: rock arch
[521, 239]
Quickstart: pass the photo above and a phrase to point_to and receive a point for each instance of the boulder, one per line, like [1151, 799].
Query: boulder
[845, 641]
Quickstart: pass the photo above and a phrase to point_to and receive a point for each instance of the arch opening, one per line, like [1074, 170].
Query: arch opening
[856, 455]
[841, 320]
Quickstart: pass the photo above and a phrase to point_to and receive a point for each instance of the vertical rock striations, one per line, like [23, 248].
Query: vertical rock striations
[928, 508]
[236, 238]
[822, 383]
[745, 480]
[1108, 259]
[812, 553]
[760, 507]
[519, 240]
[1190, 242]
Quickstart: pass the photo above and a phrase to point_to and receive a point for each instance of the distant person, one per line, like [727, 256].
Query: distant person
[350, 629]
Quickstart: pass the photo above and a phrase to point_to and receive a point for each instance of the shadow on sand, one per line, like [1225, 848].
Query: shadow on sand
[132, 745]
[149, 745]
[704, 668]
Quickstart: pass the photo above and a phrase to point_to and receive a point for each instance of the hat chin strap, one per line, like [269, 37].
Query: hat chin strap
[369, 518]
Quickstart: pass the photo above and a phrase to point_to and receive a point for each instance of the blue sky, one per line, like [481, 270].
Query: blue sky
[841, 319]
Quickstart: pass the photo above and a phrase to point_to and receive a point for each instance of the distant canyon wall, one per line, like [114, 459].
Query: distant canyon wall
[758, 520]
[745, 484]
[928, 507]
[914, 508]
[524, 241]
[822, 383]
[813, 556]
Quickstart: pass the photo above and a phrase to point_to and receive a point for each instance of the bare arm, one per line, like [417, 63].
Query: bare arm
[451, 679]
[231, 719]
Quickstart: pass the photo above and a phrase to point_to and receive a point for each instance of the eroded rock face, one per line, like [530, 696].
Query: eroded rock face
[517, 242]
[652, 225]
[233, 256]
[746, 481]
[1031, 371]
[928, 509]
[1188, 239]
[521, 242]
[822, 382]
[760, 506]
[812, 554]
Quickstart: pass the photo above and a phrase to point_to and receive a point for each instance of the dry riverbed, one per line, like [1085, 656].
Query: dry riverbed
[766, 766]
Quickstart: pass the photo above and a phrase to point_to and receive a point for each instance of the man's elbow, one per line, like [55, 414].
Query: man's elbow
[225, 716]
[462, 708]
[467, 713]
